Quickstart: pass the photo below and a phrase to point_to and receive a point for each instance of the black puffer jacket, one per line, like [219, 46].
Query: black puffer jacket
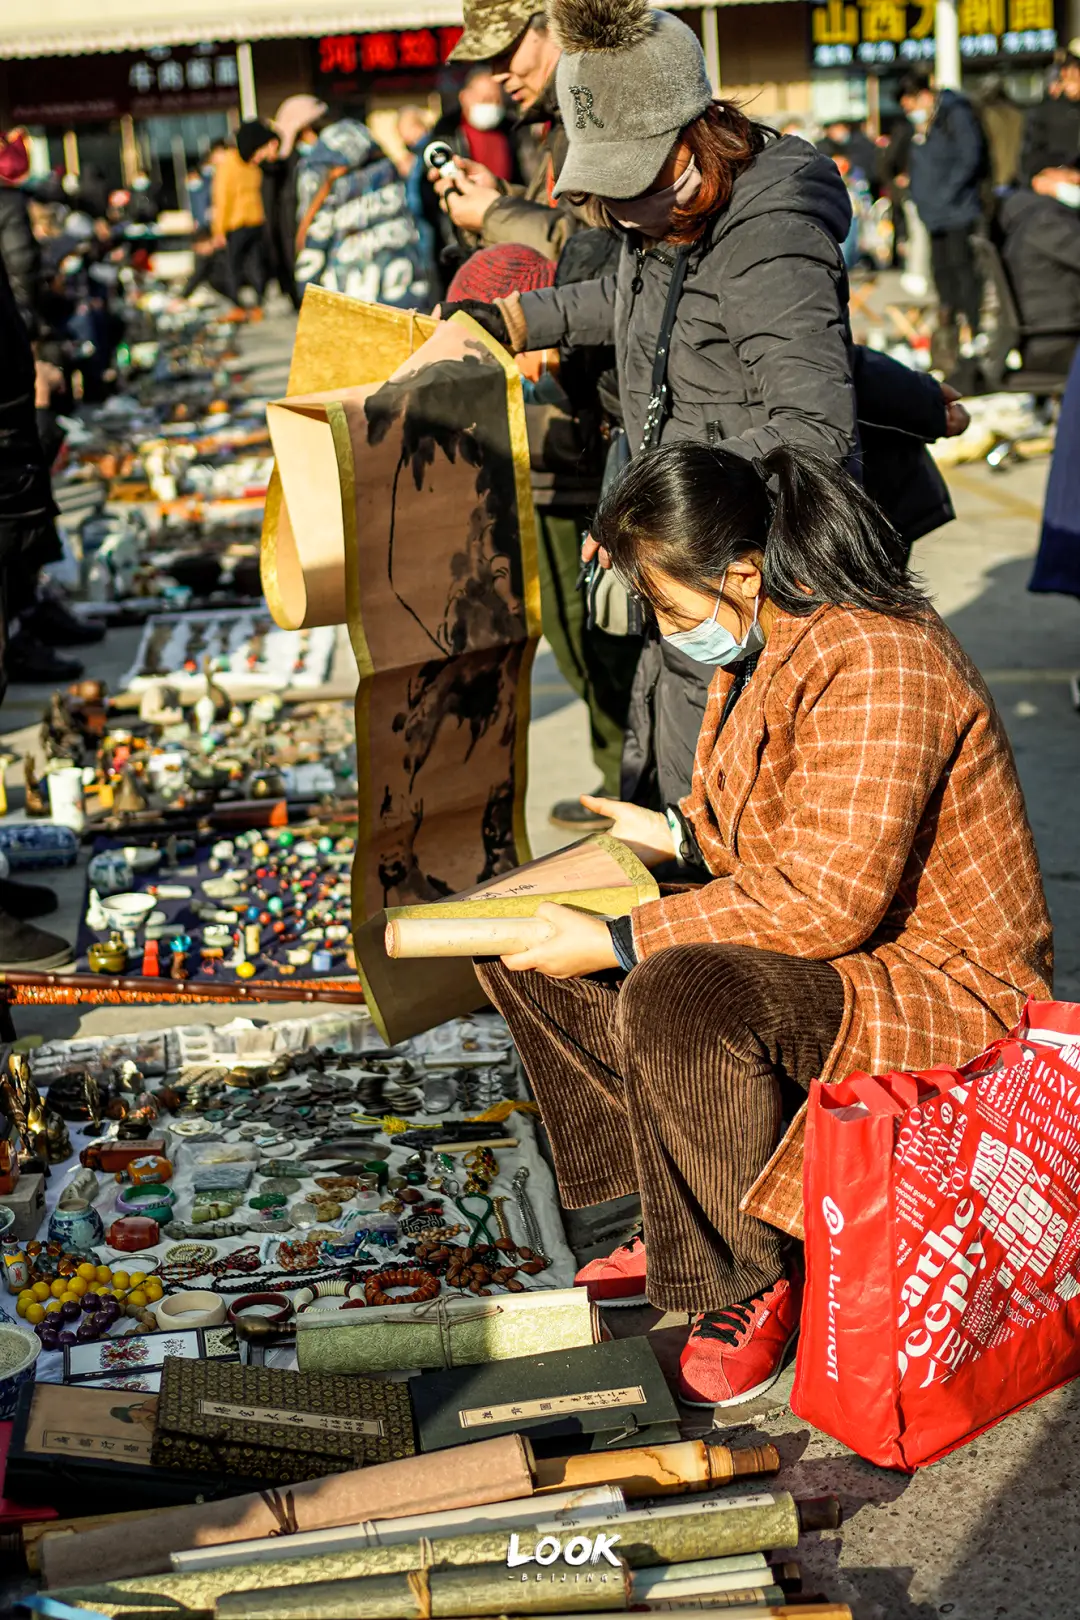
[21, 254]
[760, 353]
[1042, 255]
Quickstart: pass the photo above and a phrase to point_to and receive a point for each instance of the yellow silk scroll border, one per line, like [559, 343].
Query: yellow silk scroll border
[323, 358]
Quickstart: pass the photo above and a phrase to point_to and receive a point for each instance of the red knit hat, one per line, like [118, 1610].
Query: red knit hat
[496, 272]
[14, 157]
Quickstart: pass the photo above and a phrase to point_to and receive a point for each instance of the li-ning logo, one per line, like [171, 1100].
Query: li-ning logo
[833, 1217]
[583, 107]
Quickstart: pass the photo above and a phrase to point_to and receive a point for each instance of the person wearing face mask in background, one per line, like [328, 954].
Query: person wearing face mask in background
[948, 162]
[514, 39]
[839, 929]
[1052, 128]
[1041, 251]
[296, 126]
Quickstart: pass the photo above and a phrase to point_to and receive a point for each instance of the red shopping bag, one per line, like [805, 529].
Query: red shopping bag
[942, 1214]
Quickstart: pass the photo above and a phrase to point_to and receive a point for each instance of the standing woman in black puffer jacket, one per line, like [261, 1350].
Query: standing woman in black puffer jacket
[750, 228]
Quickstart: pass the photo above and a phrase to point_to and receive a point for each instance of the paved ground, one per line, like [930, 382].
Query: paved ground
[995, 1529]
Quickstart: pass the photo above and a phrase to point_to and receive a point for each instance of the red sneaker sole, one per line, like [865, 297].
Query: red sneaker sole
[615, 1302]
[747, 1394]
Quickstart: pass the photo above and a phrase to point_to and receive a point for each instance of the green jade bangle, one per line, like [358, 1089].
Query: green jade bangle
[150, 1199]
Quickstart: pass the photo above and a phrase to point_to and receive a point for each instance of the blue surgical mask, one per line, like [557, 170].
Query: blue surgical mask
[712, 643]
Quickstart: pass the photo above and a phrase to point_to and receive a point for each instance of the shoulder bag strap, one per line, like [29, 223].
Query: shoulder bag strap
[658, 396]
[332, 177]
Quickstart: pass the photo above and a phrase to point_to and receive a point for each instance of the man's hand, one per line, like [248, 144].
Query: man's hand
[579, 944]
[591, 548]
[471, 172]
[468, 204]
[956, 416]
[48, 380]
[646, 832]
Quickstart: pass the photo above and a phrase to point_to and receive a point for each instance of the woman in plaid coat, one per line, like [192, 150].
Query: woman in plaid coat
[872, 896]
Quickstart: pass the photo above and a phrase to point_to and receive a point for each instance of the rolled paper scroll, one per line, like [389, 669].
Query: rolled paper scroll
[446, 1332]
[683, 1465]
[497, 1471]
[491, 1471]
[672, 1534]
[464, 936]
[601, 1502]
[425, 1592]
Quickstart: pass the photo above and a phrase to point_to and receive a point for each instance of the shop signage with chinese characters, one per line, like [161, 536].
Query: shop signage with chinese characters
[342, 59]
[883, 33]
[153, 83]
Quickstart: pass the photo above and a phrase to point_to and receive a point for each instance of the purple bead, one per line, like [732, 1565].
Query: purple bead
[91, 1303]
[70, 1310]
[49, 1338]
[66, 1337]
[86, 1330]
[110, 1308]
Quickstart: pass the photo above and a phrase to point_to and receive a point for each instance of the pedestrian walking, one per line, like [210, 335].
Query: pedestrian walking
[236, 211]
[948, 162]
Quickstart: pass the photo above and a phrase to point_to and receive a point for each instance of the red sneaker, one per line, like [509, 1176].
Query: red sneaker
[734, 1354]
[617, 1279]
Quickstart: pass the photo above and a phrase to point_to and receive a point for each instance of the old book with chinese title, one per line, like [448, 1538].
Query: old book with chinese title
[274, 1426]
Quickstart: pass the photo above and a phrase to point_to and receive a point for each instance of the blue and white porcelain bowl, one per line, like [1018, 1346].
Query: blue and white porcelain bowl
[19, 1350]
[78, 1227]
[110, 873]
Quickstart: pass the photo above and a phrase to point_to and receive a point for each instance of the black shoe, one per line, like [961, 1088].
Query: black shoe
[22, 946]
[55, 625]
[24, 900]
[29, 660]
[572, 813]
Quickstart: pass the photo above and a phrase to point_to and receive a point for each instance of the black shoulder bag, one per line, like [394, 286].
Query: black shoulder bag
[608, 604]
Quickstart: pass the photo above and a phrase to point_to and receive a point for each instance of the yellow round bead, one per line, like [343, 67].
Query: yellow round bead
[51, 1305]
[78, 1286]
[136, 1299]
[35, 1312]
[120, 1279]
[136, 1278]
[103, 1274]
[87, 1271]
[67, 1297]
[22, 1302]
[41, 1290]
[153, 1290]
[58, 1286]
[245, 970]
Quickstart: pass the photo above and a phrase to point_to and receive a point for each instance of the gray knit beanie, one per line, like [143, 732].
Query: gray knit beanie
[629, 79]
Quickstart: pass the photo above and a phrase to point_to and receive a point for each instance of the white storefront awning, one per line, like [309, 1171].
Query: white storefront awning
[81, 27]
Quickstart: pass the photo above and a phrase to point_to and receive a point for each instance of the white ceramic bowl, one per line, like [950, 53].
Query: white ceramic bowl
[141, 858]
[128, 910]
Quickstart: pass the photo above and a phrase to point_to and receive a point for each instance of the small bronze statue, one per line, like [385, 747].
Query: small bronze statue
[37, 798]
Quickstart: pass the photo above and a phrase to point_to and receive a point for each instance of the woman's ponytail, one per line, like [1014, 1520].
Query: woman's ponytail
[688, 511]
[827, 542]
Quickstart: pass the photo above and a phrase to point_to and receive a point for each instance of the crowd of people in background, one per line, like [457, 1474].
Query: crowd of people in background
[307, 196]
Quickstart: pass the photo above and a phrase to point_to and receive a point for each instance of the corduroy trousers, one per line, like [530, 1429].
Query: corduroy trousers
[672, 1083]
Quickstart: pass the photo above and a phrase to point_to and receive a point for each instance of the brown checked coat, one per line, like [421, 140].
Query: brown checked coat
[862, 807]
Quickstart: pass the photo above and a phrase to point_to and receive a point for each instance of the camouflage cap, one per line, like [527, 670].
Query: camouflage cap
[492, 26]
